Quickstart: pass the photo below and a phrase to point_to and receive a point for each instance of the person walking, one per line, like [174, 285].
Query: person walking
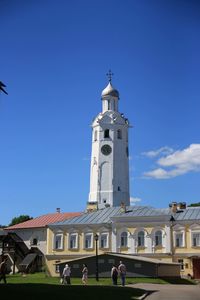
[122, 272]
[85, 274]
[3, 269]
[114, 274]
[66, 274]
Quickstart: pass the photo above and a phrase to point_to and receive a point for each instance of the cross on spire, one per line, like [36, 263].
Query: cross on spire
[109, 75]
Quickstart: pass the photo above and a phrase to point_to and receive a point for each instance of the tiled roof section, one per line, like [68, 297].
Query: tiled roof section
[102, 216]
[44, 220]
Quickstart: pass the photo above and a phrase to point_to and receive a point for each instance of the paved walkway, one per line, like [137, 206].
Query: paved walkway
[170, 291]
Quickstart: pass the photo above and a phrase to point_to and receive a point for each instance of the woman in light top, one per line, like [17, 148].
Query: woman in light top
[85, 274]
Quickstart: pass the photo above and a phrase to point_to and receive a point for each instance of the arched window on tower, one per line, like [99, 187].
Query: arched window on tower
[119, 134]
[106, 133]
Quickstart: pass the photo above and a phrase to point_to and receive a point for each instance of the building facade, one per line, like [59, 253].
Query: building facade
[139, 231]
[34, 232]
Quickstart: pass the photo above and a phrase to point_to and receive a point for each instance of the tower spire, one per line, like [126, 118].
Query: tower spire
[109, 75]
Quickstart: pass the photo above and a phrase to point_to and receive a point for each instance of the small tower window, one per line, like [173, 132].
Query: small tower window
[119, 134]
[127, 152]
[119, 189]
[106, 133]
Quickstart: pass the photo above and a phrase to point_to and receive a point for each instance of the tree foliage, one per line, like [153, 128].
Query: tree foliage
[20, 219]
[194, 204]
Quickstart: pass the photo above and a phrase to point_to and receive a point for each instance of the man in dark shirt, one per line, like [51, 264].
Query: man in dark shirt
[122, 272]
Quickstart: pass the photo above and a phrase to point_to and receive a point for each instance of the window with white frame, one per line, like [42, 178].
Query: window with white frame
[196, 239]
[104, 240]
[73, 241]
[178, 239]
[58, 241]
[140, 239]
[124, 239]
[158, 238]
[88, 241]
[181, 262]
[57, 268]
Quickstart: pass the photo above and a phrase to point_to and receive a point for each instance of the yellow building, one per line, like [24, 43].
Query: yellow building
[170, 235]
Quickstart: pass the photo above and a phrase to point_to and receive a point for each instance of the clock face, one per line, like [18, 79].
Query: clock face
[106, 149]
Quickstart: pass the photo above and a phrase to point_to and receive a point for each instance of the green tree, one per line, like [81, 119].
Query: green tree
[20, 219]
[194, 204]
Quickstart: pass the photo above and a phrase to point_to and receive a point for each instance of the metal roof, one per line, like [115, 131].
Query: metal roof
[142, 258]
[122, 255]
[146, 211]
[190, 213]
[99, 216]
[104, 216]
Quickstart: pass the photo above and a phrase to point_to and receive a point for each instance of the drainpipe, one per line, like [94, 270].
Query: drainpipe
[172, 220]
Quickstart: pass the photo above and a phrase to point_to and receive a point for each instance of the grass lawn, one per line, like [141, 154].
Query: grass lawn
[38, 286]
[41, 278]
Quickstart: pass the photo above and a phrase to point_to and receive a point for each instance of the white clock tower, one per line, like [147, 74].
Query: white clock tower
[109, 174]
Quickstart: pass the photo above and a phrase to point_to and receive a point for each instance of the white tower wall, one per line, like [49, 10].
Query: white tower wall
[109, 175]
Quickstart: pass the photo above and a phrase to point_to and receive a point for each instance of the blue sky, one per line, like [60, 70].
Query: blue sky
[54, 57]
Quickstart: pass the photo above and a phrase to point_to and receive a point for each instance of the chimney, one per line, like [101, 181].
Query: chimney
[123, 207]
[58, 209]
[182, 205]
[173, 207]
[91, 206]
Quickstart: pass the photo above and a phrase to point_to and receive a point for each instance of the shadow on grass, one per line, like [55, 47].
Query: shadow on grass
[48, 291]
